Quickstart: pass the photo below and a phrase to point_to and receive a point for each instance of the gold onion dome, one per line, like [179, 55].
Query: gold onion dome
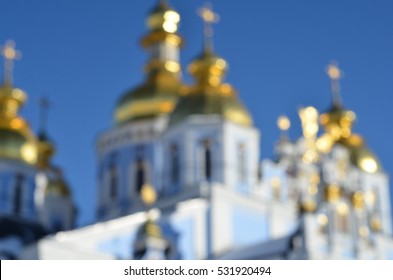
[149, 229]
[163, 18]
[209, 96]
[158, 94]
[46, 150]
[16, 138]
[338, 122]
[56, 183]
[58, 186]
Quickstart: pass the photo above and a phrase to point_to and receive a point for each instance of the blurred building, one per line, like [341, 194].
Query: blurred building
[179, 174]
[34, 197]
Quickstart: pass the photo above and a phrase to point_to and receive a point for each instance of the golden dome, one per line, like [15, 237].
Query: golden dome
[163, 18]
[14, 145]
[149, 228]
[157, 96]
[209, 96]
[360, 155]
[162, 22]
[338, 121]
[58, 186]
[46, 149]
[16, 139]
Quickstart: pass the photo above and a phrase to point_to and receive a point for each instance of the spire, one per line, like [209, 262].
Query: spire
[10, 54]
[209, 17]
[335, 74]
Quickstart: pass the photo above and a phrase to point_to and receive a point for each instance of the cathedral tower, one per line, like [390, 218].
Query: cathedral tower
[211, 136]
[18, 149]
[130, 154]
[27, 176]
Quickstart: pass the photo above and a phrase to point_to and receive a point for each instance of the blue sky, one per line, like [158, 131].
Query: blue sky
[84, 55]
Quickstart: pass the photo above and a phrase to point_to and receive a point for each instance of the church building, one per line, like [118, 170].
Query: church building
[179, 174]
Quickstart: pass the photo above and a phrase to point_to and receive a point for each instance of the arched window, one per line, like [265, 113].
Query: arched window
[175, 165]
[18, 189]
[207, 160]
[241, 163]
[140, 175]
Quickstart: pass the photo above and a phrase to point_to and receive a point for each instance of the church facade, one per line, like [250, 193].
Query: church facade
[179, 174]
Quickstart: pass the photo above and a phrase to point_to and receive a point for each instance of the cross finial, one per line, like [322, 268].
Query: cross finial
[44, 105]
[335, 74]
[209, 17]
[10, 54]
[283, 124]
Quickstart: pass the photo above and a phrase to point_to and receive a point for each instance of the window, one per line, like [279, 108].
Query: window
[113, 178]
[140, 174]
[207, 160]
[113, 182]
[175, 165]
[18, 188]
[241, 163]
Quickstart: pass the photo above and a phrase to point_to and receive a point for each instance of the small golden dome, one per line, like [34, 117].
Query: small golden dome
[164, 18]
[12, 144]
[338, 125]
[209, 96]
[163, 23]
[149, 228]
[46, 149]
[14, 95]
[338, 121]
[58, 187]
[366, 160]
[208, 69]
[360, 155]
[16, 139]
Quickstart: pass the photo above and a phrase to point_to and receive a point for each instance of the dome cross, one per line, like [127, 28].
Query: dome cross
[209, 17]
[335, 74]
[10, 54]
